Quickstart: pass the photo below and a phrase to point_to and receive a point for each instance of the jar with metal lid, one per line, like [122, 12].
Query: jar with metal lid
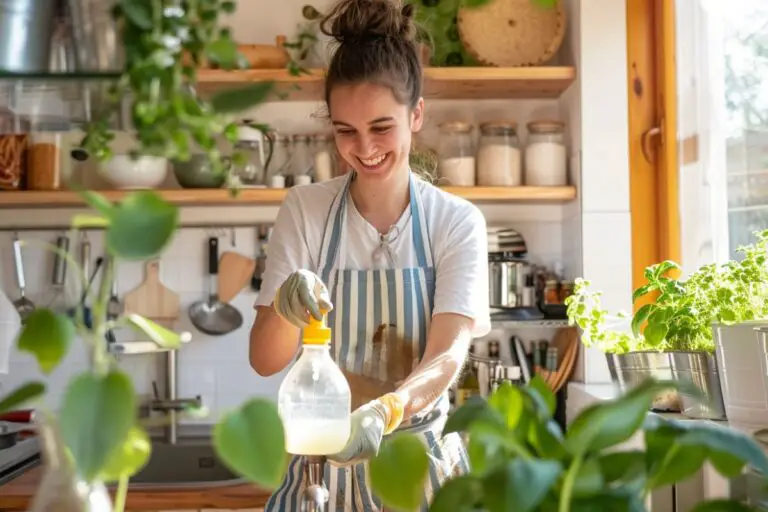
[456, 154]
[545, 154]
[302, 162]
[323, 151]
[499, 162]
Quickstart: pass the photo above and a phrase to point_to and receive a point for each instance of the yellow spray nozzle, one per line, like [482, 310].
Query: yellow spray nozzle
[317, 332]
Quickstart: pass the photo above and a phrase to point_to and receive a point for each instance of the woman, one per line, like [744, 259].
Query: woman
[398, 255]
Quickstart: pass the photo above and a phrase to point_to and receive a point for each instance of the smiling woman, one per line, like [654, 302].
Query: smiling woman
[383, 251]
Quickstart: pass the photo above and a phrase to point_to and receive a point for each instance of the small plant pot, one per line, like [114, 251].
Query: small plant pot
[700, 369]
[630, 369]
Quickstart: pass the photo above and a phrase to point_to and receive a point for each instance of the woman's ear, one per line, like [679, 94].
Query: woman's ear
[417, 116]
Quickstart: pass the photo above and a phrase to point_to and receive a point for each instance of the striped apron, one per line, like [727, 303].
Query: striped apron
[363, 300]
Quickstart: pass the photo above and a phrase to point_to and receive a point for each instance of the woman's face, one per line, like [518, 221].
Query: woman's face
[372, 129]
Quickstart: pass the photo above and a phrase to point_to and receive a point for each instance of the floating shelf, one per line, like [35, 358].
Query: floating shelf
[270, 196]
[439, 82]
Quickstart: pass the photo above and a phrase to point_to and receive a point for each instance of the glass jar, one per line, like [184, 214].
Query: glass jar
[44, 160]
[323, 151]
[281, 160]
[499, 162]
[456, 154]
[302, 162]
[545, 154]
[252, 172]
[314, 400]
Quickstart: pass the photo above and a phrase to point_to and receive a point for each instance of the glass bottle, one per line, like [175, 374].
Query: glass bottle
[499, 162]
[469, 385]
[323, 153]
[456, 154]
[302, 162]
[314, 400]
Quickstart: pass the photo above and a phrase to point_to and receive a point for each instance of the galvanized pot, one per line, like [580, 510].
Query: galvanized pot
[700, 369]
[26, 28]
[628, 370]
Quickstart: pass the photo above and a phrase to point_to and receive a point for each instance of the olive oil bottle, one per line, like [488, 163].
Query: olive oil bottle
[469, 384]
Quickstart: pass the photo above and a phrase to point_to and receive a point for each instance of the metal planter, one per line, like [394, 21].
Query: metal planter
[628, 370]
[700, 369]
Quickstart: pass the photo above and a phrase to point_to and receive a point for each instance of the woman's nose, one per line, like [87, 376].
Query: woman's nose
[365, 146]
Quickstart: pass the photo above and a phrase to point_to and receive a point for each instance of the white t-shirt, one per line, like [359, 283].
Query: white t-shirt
[457, 231]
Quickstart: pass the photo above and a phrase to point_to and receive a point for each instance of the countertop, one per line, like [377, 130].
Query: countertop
[17, 494]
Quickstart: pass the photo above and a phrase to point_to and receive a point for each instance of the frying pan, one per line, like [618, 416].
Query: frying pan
[212, 316]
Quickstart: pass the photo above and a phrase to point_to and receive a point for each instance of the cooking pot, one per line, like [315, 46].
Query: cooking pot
[507, 276]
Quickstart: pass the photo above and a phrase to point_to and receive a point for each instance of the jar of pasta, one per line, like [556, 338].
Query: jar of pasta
[456, 154]
[498, 156]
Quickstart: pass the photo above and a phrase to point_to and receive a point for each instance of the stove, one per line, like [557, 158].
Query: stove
[19, 458]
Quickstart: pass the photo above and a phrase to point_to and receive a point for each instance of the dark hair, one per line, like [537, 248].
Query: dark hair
[377, 43]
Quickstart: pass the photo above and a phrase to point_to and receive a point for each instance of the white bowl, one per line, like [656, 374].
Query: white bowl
[123, 172]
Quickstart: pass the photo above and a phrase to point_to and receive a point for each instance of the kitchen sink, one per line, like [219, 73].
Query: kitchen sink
[189, 462]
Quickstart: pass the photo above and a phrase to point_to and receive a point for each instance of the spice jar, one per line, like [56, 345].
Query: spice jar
[44, 160]
[551, 292]
[456, 155]
[322, 147]
[545, 154]
[498, 157]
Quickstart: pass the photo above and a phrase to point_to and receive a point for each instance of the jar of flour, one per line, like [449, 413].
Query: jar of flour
[498, 156]
[545, 154]
[456, 154]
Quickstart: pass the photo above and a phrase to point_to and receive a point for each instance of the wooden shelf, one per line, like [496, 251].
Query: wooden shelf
[439, 83]
[267, 196]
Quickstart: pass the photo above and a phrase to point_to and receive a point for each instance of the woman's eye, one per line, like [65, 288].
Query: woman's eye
[345, 132]
[382, 129]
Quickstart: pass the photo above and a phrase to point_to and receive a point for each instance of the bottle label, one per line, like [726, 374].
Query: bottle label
[462, 395]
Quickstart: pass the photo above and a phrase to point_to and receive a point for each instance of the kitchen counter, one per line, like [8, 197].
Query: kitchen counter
[17, 494]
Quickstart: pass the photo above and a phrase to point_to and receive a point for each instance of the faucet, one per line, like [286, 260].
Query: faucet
[170, 404]
[316, 494]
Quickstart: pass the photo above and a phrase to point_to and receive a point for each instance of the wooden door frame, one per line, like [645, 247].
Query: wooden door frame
[653, 180]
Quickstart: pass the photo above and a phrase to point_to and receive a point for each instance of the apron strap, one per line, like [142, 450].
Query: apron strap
[334, 224]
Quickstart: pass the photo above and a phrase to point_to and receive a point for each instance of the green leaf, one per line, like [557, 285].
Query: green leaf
[612, 422]
[485, 453]
[643, 290]
[47, 336]
[223, 52]
[129, 457]
[239, 100]
[165, 338]
[98, 202]
[722, 505]
[655, 333]
[727, 440]
[476, 409]
[460, 494]
[507, 400]
[678, 464]
[542, 395]
[665, 266]
[589, 481]
[726, 464]
[96, 415]
[399, 471]
[22, 395]
[138, 12]
[622, 466]
[474, 3]
[142, 225]
[520, 485]
[640, 317]
[251, 442]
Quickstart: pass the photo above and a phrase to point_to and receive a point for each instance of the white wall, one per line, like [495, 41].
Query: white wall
[589, 236]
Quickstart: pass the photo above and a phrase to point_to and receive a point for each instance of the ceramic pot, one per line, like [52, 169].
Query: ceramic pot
[198, 173]
[144, 172]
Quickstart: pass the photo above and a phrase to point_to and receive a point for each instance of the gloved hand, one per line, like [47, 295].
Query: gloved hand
[370, 422]
[302, 294]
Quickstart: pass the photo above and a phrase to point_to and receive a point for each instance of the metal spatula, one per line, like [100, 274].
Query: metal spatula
[23, 305]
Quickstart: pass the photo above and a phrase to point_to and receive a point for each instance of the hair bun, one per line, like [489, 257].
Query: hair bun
[356, 21]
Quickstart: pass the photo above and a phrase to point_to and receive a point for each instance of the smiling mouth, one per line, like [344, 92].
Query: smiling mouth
[374, 163]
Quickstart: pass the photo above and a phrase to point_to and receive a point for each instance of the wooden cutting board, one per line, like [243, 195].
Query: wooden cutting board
[235, 272]
[152, 299]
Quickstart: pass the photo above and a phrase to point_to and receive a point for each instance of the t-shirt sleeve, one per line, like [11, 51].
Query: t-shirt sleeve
[287, 249]
[462, 270]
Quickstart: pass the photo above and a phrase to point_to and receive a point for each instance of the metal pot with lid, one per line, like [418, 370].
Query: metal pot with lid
[507, 276]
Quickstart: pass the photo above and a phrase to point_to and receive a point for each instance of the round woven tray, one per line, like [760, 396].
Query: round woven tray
[509, 33]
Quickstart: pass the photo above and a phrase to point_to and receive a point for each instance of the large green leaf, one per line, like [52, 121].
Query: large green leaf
[47, 336]
[722, 505]
[473, 410]
[241, 99]
[97, 413]
[22, 395]
[164, 337]
[547, 439]
[398, 472]
[542, 396]
[589, 480]
[251, 441]
[141, 226]
[726, 464]
[609, 423]
[622, 466]
[129, 457]
[460, 494]
[507, 400]
[520, 485]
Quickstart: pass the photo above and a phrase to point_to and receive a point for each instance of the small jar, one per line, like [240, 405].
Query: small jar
[302, 161]
[456, 154]
[499, 163]
[322, 149]
[280, 164]
[44, 160]
[551, 292]
[545, 154]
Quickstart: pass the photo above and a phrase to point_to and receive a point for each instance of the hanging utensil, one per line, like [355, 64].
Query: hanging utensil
[87, 312]
[23, 305]
[58, 284]
[152, 299]
[261, 258]
[212, 316]
[235, 270]
[113, 304]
